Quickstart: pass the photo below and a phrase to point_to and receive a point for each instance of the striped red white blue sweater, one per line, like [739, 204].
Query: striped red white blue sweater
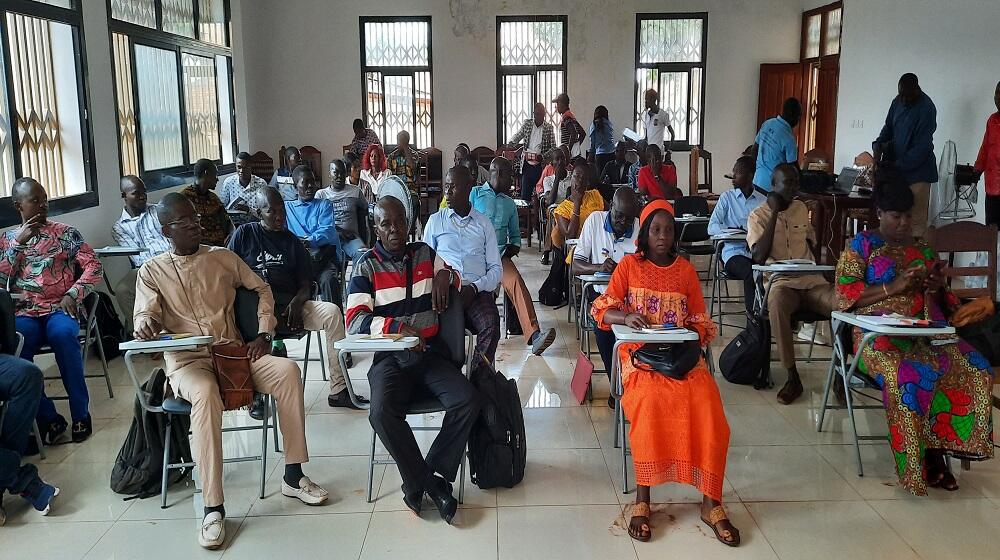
[387, 291]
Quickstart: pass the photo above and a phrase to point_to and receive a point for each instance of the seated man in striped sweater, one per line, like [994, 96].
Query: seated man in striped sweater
[401, 288]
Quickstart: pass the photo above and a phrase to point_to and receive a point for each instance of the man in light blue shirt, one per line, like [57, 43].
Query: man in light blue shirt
[775, 143]
[466, 240]
[731, 212]
[313, 221]
[490, 200]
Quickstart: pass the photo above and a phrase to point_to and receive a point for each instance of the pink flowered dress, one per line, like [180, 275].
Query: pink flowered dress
[935, 397]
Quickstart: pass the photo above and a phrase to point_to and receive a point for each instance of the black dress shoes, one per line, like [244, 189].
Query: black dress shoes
[414, 502]
[439, 492]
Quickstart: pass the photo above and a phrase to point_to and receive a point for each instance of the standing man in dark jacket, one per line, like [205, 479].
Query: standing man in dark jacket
[905, 147]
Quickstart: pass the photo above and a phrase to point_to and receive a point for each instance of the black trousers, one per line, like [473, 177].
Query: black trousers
[326, 267]
[993, 210]
[739, 267]
[529, 178]
[393, 388]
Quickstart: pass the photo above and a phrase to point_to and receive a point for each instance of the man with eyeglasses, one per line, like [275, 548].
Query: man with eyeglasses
[191, 289]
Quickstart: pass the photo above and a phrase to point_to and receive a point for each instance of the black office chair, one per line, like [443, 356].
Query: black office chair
[692, 238]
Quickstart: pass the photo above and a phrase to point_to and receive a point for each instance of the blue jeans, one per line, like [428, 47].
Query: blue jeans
[352, 248]
[61, 332]
[20, 389]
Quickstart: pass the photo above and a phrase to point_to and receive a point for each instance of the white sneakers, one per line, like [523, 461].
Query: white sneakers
[309, 492]
[213, 531]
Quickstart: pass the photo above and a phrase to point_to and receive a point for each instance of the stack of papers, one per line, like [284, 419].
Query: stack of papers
[390, 337]
[893, 320]
[795, 261]
[661, 330]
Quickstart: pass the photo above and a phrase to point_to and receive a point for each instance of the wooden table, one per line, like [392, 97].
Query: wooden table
[828, 215]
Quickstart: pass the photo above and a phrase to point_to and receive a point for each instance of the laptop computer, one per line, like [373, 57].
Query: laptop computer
[845, 181]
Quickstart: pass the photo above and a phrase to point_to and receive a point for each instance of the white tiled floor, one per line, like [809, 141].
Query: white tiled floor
[793, 493]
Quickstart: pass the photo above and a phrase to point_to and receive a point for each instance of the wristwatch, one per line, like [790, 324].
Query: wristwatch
[266, 336]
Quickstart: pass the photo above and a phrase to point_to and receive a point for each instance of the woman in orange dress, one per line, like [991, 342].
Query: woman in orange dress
[678, 428]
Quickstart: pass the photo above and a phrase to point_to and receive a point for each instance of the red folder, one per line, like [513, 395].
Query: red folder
[581, 377]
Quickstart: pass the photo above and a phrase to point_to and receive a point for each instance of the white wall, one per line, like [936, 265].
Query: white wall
[951, 46]
[303, 73]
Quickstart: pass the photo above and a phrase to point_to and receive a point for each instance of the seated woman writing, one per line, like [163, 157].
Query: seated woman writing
[678, 428]
[937, 398]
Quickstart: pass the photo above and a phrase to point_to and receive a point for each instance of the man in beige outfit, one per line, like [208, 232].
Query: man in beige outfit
[780, 230]
[191, 289]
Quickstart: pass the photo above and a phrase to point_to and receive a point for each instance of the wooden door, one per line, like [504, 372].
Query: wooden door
[778, 82]
[826, 103]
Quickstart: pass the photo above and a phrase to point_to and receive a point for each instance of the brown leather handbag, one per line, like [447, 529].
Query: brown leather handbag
[232, 374]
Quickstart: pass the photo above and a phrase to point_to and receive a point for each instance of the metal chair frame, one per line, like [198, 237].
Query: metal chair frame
[372, 460]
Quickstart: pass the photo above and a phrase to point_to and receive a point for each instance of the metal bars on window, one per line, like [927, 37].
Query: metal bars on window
[670, 58]
[200, 20]
[174, 95]
[396, 74]
[128, 141]
[531, 68]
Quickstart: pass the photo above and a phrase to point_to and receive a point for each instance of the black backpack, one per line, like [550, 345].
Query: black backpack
[139, 465]
[112, 331]
[553, 290]
[746, 360]
[497, 447]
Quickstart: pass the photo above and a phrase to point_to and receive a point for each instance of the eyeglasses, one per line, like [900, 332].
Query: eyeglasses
[194, 220]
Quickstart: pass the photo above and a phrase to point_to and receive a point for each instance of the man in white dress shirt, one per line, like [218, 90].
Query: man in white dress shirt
[139, 228]
[466, 240]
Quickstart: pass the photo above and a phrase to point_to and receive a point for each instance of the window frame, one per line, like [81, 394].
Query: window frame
[824, 13]
[528, 70]
[179, 45]
[410, 71]
[73, 17]
[675, 67]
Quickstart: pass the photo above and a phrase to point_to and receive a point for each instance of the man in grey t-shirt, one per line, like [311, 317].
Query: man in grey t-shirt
[347, 202]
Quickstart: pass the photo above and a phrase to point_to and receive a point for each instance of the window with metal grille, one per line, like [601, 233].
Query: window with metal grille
[44, 127]
[531, 68]
[174, 96]
[396, 72]
[670, 58]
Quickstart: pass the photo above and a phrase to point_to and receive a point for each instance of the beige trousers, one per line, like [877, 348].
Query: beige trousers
[783, 301]
[326, 317]
[513, 285]
[192, 378]
[921, 208]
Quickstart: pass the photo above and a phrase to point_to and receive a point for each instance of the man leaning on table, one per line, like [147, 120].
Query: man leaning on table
[175, 294]
[605, 238]
[137, 228]
[780, 230]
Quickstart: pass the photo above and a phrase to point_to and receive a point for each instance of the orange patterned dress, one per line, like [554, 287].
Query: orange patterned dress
[679, 431]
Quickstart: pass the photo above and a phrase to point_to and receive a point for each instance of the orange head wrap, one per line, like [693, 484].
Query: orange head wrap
[649, 209]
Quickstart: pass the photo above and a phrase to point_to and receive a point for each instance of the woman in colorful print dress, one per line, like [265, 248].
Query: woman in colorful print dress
[678, 428]
[937, 398]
